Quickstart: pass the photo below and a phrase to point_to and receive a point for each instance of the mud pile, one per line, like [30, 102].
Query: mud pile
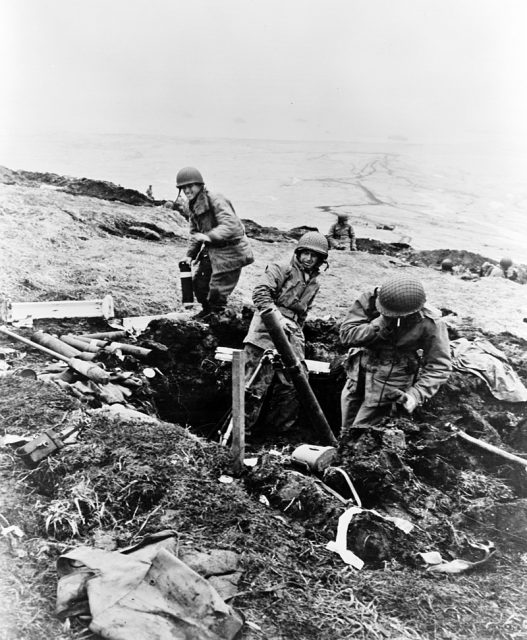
[129, 475]
[419, 469]
[76, 186]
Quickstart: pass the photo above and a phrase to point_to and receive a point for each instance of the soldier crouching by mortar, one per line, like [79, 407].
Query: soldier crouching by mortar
[218, 244]
[291, 288]
[399, 353]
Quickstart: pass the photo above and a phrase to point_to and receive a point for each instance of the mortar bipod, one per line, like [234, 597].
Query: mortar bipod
[269, 355]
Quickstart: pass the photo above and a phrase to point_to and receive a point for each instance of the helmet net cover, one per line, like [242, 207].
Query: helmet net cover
[400, 297]
[313, 241]
[188, 175]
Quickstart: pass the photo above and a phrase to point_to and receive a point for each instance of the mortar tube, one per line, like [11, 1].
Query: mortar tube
[58, 346]
[81, 345]
[271, 319]
[90, 370]
[132, 349]
[106, 335]
[96, 341]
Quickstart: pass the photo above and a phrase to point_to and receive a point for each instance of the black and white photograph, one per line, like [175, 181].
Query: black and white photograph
[263, 320]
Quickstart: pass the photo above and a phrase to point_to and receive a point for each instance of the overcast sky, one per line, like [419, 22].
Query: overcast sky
[292, 69]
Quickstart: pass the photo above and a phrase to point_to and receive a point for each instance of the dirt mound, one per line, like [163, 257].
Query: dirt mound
[418, 468]
[77, 186]
[396, 249]
[434, 258]
[265, 234]
[128, 476]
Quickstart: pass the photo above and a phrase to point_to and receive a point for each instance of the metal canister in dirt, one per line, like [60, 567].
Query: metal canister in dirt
[187, 291]
[314, 457]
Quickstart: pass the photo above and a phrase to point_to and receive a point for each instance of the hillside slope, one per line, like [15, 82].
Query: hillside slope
[127, 476]
[54, 245]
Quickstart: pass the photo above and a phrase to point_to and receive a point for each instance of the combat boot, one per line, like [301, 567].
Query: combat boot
[205, 311]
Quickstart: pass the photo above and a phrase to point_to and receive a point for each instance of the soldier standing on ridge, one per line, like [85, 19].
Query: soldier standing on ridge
[291, 288]
[149, 192]
[399, 352]
[341, 234]
[218, 243]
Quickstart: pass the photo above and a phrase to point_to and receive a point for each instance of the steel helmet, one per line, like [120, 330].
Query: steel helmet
[447, 265]
[505, 263]
[400, 297]
[188, 175]
[314, 241]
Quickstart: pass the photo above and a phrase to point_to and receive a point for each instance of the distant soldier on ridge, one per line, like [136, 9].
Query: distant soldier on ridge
[341, 234]
[504, 269]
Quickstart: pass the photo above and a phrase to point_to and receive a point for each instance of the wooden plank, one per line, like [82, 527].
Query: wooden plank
[238, 410]
[16, 311]
[224, 354]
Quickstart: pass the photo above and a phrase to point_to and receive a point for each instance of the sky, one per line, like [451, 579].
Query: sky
[278, 69]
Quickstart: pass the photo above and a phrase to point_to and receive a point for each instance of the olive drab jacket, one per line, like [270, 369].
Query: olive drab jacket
[341, 236]
[413, 358]
[214, 215]
[287, 287]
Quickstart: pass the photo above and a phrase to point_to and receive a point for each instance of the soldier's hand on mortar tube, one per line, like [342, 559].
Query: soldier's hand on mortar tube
[287, 325]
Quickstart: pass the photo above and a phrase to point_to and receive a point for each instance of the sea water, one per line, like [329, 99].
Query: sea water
[465, 194]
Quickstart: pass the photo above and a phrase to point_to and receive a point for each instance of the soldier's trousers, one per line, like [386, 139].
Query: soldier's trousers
[270, 384]
[357, 413]
[213, 289]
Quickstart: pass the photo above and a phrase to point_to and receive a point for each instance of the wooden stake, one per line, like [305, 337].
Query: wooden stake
[238, 410]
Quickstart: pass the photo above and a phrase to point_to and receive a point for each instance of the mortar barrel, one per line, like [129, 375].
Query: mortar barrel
[132, 349]
[89, 370]
[105, 335]
[296, 370]
[35, 345]
[58, 346]
[81, 345]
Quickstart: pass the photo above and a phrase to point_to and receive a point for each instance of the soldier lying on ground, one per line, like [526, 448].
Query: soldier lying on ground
[218, 244]
[399, 353]
[503, 270]
[291, 288]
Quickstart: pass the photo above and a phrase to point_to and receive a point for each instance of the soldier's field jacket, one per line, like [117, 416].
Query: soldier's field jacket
[341, 236]
[286, 287]
[414, 359]
[214, 215]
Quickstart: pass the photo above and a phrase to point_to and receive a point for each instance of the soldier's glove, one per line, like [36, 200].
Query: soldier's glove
[405, 399]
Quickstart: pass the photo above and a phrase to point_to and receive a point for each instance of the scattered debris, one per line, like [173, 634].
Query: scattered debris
[148, 593]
